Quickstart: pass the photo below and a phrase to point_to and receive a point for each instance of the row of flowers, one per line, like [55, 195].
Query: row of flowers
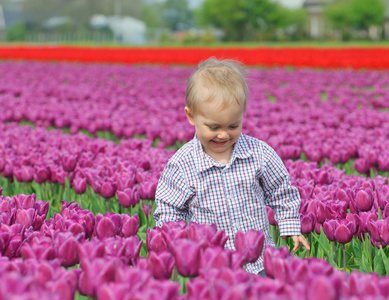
[358, 58]
[129, 172]
[110, 264]
[333, 116]
[131, 169]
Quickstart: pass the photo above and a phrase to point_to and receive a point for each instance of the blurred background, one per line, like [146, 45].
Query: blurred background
[192, 22]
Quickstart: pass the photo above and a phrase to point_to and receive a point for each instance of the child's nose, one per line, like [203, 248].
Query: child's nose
[223, 135]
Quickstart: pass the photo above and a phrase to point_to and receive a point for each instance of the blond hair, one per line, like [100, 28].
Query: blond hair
[217, 80]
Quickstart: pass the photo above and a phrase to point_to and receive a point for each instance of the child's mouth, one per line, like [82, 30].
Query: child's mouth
[218, 144]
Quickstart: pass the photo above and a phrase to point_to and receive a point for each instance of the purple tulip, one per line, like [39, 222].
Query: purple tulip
[208, 233]
[187, 255]
[38, 248]
[95, 273]
[161, 264]
[364, 200]
[68, 252]
[383, 162]
[329, 227]
[321, 288]
[155, 240]
[147, 189]
[128, 197]
[107, 227]
[25, 174]
[361, 165]
[379, 230]
[250, 244]
[69, 162]
[381, 195]
[108, 189]
[308, 222]
[91, 249]
[26, 217]
[125, 180]
[42, 173]
[320, 212]
[215, 257]
[130, 225]
[344, 231]
[336, 210]
[270, 215]
[79, 185]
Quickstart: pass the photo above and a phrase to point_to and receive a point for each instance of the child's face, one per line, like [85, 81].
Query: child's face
[217, 129]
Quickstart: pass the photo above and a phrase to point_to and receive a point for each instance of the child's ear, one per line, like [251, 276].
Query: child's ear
[189, 115]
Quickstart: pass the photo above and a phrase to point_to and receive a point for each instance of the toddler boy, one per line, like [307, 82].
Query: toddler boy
[222, 176]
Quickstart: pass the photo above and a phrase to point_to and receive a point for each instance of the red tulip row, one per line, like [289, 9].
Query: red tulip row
[357, 58]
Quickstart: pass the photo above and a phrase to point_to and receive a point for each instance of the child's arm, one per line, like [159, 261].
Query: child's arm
[281, 196]
[172, 196]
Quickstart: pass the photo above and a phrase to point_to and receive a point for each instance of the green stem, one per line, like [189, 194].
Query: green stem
[309, 252]
[344, 257]
[335, 251]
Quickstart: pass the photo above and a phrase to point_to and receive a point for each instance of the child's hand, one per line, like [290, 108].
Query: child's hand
[297, 239]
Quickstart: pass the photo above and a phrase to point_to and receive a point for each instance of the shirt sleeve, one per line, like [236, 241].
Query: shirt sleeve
[172, 197]
[280, 195]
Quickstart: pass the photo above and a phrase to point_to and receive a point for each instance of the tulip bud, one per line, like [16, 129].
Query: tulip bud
[42, 173]
[69, 162]
[344, 231]
[161, 264]
[361, 165]
[364, 200]
[187, 256]
[108, 189]
[147, 189]
[270, 215]
[383, 162]
[128, 197]
[329, 229]
[250, 244]
[307, 221]
[79, 185]
[130, 225]
[155, 240]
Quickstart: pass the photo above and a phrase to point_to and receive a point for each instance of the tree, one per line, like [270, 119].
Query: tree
[355, 14]
[340, 17]
[241, 19]
[367, 13]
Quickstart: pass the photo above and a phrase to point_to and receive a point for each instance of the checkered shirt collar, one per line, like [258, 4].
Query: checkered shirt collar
[203, 161]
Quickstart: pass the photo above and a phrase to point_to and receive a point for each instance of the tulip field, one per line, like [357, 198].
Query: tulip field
[83, 142]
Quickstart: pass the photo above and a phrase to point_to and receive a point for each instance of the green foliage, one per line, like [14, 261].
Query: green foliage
[367, 13]
[356, 14]
[243, 20]
[151, 15]
[16, 33]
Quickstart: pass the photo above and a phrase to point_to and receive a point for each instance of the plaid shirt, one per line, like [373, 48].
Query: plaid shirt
[234, 196]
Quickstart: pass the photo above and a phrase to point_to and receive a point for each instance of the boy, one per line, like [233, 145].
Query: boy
[223, 176]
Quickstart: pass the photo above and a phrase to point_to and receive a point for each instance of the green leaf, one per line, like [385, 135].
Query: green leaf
[365, 265]
[379, 264]
[143, 251]
[325, 246]
[385, 261]
[379, 213]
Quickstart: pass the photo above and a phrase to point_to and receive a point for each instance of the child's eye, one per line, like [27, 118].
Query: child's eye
[234, 126]
[212, 127]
